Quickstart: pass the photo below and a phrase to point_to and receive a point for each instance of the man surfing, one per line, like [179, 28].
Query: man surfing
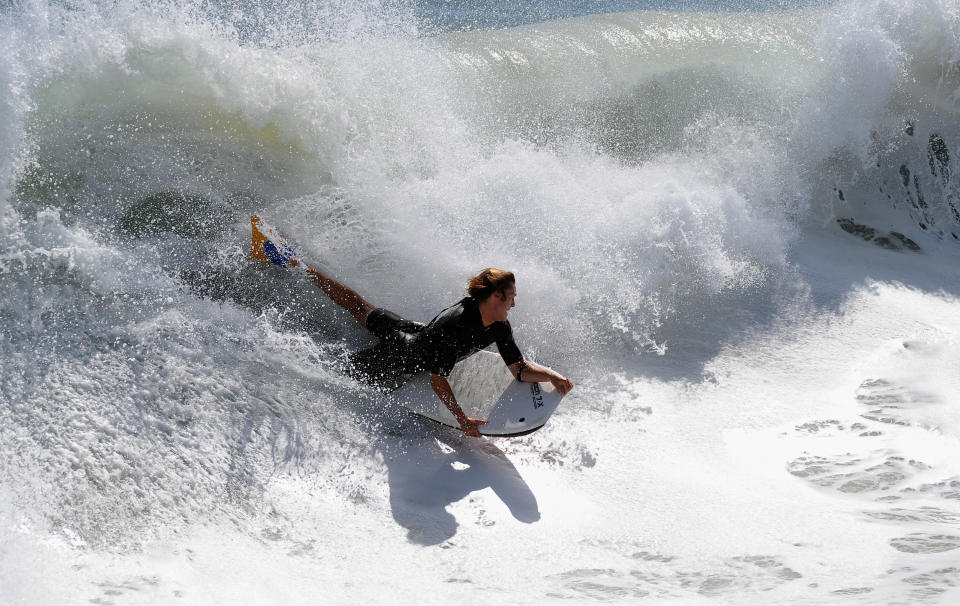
[406, 347]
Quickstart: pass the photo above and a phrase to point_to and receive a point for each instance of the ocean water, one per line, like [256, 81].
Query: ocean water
[736, 227]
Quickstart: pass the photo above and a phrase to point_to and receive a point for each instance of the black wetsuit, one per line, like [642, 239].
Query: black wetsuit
[407, 347]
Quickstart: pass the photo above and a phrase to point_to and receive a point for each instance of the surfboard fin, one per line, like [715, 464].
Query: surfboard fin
[269, 247]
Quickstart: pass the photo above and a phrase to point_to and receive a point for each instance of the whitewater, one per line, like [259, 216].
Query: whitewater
[736, 228]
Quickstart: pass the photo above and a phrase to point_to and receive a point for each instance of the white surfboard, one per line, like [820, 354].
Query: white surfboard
[485, 389]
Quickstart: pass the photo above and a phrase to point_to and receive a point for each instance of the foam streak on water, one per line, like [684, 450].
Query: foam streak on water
[737, 232]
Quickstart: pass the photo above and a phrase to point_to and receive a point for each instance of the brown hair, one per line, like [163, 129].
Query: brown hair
[489, 281]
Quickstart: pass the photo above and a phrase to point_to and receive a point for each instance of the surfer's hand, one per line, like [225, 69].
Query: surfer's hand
[471, 426]
[561, 384]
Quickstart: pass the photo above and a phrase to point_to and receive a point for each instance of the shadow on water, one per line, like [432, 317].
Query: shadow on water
[432, 468]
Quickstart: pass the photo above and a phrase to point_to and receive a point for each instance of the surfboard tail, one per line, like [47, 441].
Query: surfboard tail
[269, 247]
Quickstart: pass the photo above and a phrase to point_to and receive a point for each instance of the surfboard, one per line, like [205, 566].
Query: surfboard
[485, 389]
[482, 383]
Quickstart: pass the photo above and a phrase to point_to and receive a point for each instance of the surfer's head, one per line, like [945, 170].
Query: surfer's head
[490, 281]
[496, 287]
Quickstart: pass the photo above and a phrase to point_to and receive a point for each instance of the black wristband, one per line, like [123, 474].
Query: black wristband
[522, 365]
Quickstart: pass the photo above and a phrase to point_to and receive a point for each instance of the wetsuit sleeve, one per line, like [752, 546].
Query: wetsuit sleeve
[507, 346]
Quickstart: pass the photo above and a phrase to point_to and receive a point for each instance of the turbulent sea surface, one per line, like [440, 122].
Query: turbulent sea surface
[735, 226]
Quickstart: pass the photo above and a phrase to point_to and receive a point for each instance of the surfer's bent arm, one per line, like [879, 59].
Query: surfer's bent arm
[442, 388]
[528, 372]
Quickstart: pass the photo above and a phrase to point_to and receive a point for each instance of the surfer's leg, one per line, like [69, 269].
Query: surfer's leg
[380, 366]
[343, 296]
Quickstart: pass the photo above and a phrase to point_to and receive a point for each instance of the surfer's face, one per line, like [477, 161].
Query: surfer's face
[504, 301]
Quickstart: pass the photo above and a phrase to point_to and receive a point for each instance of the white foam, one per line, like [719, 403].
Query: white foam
[764, 410]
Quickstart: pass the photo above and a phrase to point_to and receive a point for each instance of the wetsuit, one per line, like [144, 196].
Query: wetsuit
[406, 348]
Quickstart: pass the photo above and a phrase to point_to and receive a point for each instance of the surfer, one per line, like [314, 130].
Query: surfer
[406, 347]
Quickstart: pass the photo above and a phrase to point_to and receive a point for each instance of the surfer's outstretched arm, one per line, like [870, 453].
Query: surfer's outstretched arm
[528, 372]
[342, 295]
[442, 388]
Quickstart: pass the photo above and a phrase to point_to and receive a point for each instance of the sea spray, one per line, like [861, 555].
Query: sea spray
[683, 196]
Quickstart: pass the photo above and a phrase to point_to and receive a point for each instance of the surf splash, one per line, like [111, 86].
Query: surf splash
[664, 184]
